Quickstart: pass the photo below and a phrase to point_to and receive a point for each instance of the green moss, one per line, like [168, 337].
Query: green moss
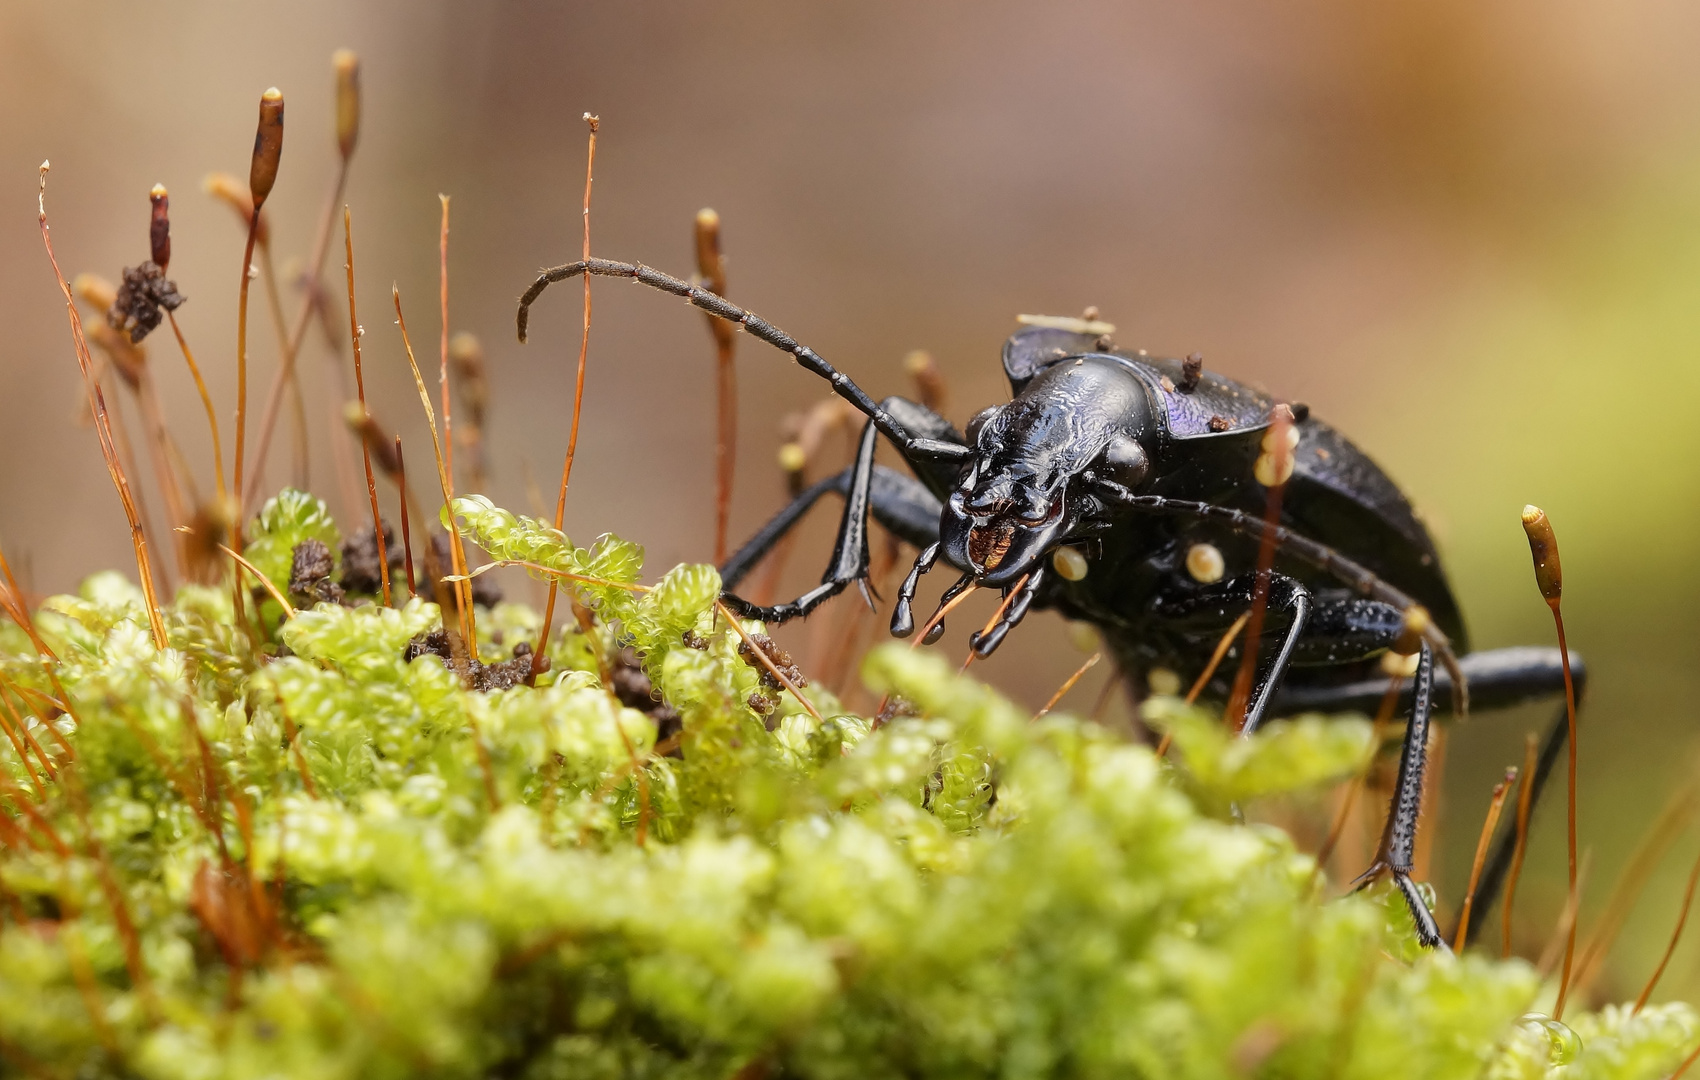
[334, 862]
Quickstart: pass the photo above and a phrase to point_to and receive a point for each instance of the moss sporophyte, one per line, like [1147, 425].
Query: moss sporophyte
[286, 849]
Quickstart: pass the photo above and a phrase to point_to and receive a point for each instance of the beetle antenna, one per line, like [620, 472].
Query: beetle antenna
[721, 308]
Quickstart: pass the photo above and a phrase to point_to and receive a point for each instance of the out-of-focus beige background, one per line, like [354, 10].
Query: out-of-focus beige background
[1468, 234]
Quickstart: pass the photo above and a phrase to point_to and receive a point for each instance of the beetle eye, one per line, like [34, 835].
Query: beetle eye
[979, 422]
[1124, 462]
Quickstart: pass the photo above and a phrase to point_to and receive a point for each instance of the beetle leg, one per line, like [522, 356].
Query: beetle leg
[1302, 547]
[1398, 839]
[936, 627]
[1298, 601]
[987, 644]
[902, 615]
[898, 502]
[1285, 595]
[849, 554]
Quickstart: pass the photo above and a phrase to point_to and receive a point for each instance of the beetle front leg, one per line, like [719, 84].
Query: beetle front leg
[1395, 856]
[849, 554]
[902, 613]
[987, 643]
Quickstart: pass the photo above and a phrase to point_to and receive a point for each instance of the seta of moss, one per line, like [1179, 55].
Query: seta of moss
[330, 861]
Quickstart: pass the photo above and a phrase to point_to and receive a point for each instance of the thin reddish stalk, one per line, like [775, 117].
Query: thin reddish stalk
[1525, 797]
[103, 427]
[1631, 882]
[206, 402]
[1280, 456]
[293, 734]
[541, 649]
[457, 552]
[711, 266]
[1675, 936]
[766, 661]
[1383, 716]
[23, 728]
[303, 316]
[12, 728]
[1488, 825]
[406, 529]
[41, 824]
[1204, 676]
[242, 361]
[1570, 711]
[443, 370]
[297, 408]
[1068, 684]
[270, 586]
[360, 385]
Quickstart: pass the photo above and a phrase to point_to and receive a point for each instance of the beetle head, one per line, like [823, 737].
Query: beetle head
[1023, 495]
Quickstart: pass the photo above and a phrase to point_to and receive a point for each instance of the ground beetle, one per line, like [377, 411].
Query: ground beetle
[1121, 489]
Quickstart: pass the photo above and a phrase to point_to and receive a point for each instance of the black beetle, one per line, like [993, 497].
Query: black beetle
[1124, 490]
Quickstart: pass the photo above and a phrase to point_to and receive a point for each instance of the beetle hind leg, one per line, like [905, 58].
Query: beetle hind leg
[1394, 857]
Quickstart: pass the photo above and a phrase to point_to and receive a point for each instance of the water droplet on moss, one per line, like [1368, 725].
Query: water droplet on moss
[1563, 1044]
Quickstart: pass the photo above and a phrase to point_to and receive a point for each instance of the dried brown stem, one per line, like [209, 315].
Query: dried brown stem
[1675, 936]
[206, 402]
[406, 529]
[711, 266]
[1670, 823]
[1068, 684]
[1204, 676]
[541, 648]
[457, 551]
[360, 386]
[1491, 822]
[766, 661]
[103, 429]
[1383, 716]
[1279, 458]
[1525, 802]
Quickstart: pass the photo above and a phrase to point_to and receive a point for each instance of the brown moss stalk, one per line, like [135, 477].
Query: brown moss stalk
[406, 527]
[360, 387]
[347, 132]
[1274, 466]
[1525, 803]
[1489, 824]
[541, 648]
[103, 430]
[1549, 576]
[1675, 936]
[457, 552]
[1068, 684]
[262, 174]
[711, 267]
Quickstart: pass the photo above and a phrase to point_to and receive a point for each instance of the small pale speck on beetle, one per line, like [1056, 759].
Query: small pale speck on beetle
[1070, 563]
[1205, 563]
[1403, 666]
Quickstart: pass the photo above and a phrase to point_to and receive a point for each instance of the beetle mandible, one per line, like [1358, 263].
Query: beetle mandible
[1122, 489]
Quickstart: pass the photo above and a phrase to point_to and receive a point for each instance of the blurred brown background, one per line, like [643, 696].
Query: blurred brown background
[1467, 234]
